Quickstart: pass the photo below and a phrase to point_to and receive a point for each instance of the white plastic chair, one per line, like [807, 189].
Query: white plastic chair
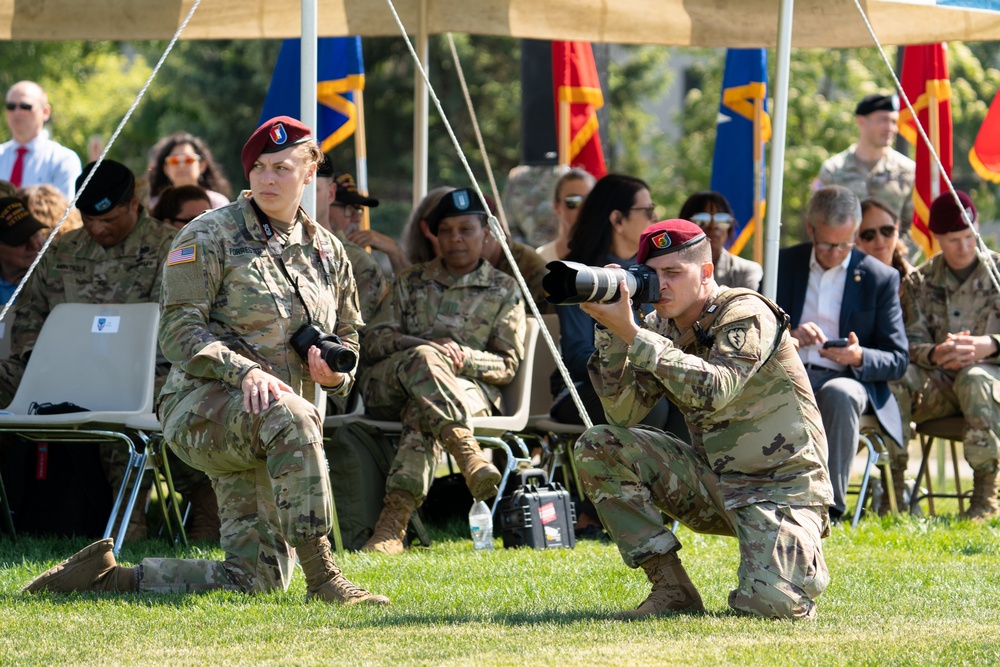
[100, 357]
[491, 430]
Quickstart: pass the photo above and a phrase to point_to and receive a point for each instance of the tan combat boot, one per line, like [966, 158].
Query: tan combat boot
[325, 581]
[672, 589]
[984, 495]
[390, 529]
[481, 476]
[205, 524]
[91, 569]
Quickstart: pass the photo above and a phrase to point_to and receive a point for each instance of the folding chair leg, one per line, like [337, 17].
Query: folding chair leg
[140, 466]
[162, 461]
[865, 478]
[120, 496]
[8, 520]
[338, 540]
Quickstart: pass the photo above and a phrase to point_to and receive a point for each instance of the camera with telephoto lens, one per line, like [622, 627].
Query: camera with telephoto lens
[571, 282]
[336, 355]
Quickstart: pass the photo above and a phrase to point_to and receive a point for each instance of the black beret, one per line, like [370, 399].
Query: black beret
[454, 204]
[274, 135]
[872, 103]
[17, 225]
[113, 184]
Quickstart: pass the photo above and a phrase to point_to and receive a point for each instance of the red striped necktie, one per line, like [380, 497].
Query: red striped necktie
[18, 171]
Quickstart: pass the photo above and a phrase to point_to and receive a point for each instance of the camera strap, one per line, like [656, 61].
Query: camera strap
[265, 225]
[699, 331]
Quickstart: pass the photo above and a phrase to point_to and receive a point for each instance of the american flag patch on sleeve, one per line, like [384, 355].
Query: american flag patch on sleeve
[181, 255]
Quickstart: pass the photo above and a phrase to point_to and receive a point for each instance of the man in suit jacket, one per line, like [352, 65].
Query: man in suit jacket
[831, 291]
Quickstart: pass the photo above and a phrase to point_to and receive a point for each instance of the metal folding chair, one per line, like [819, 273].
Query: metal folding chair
[951, 429]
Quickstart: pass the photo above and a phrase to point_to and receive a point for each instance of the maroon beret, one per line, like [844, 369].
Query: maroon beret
[945, 215]
[666, 237]
[274, 135]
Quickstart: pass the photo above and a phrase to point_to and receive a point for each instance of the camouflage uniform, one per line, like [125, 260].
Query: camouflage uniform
[935, 304]
[756, 468]
[368, 276]
[227, 311]
[891, 180]
[77, 269]
[527, 202]
[481, 311]
[532, 267]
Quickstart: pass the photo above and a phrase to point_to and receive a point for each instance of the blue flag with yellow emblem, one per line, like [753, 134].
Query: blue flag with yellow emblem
[340, 72]
[741, 129]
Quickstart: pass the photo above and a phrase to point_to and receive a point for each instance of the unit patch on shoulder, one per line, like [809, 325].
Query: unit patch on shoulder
[181, 255]
[737, 338]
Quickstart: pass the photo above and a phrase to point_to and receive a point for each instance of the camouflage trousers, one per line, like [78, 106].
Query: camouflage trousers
[973, 392]
[419, 387]
[271, 478]
[634, 475]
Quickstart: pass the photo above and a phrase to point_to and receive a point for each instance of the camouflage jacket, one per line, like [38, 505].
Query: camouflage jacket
[755, 424]
[532, 267]
[936, 304]
[76, 269]
[482, 311]
[891, 179]
[228, 307]
[368, 276]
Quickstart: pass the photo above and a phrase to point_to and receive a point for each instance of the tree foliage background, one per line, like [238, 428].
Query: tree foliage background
[215, 89]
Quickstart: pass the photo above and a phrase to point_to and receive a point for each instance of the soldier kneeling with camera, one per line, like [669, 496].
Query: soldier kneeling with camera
[756, 467]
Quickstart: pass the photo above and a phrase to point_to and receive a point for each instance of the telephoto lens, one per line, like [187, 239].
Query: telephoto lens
[337, 356]
[569, 283]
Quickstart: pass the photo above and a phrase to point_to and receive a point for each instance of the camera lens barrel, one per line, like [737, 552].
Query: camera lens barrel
[571, 283]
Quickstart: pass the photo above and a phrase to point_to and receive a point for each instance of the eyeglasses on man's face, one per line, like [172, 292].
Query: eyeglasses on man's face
[703, 220]
[23, 106]
[839, 247]
[350, 210]
[174, 160]
[868, 235]
[573, 201]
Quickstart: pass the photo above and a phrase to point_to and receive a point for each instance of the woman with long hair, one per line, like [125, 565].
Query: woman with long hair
[184, 159]
[878, 236]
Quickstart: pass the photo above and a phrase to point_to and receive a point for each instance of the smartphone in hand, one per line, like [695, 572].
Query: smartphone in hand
[836, 342]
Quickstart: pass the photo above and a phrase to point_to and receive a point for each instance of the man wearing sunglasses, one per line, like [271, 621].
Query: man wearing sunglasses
[30, 157]
[871, 168]
[846, 317]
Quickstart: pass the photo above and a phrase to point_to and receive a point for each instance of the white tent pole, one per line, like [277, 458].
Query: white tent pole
[421, 104]
[307, 88]
[779, 127]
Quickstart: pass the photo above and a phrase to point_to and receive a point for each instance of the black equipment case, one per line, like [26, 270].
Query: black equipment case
[540, 516]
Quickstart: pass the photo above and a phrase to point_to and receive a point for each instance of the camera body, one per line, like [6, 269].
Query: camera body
[337, 356]
[571, 282]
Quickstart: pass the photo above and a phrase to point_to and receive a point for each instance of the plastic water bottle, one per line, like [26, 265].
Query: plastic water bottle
[481, 526]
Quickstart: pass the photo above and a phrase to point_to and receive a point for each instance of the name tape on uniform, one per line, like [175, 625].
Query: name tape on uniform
[105, 324]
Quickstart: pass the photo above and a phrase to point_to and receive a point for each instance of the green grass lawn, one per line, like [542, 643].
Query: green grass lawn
[903, 592]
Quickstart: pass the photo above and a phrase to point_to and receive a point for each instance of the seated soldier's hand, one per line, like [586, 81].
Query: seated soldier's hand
[259, 387]
[321, 372]
[372, 239]
[450, 349]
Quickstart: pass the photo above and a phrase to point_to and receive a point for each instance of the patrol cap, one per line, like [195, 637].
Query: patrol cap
[274, 135]
[347, 192]
[877, 102]
[113, 184]
[17, 225]
[945, 216]
[666, 237]
[454, 204]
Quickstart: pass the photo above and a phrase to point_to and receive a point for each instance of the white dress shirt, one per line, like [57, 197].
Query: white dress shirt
[824, 297]
[45, 162]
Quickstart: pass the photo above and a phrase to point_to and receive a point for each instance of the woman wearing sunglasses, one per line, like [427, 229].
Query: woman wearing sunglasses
[184, 159]
[571, 191]
[878, 236]
[711, 211]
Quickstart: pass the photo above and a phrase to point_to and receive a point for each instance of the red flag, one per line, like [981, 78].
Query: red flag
[925, 82]
[575, 82]
[985, 153]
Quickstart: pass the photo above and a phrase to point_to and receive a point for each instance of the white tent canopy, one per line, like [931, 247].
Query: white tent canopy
[746, 23]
